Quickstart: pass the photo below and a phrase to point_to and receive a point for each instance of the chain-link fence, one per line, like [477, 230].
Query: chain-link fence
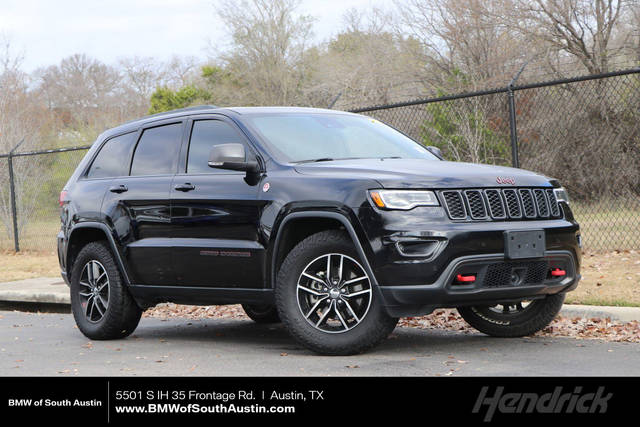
[584, 131]
[30, 184]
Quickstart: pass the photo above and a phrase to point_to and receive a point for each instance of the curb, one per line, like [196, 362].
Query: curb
[52, 290]
[42, 290]
[623, 314]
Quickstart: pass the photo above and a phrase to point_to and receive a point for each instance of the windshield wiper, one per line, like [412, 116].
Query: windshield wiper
[322, 159]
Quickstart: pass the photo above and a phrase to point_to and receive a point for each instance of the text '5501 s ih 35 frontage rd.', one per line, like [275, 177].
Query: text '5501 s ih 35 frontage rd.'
[333, 223]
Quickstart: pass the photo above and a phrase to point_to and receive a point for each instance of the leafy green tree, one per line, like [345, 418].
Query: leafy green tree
[166, 99]
[463, 132]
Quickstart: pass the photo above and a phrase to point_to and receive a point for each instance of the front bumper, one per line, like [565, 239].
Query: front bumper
[415, 300]
[413, 285]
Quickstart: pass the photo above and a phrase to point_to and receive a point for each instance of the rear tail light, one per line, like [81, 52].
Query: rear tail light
[62, 198]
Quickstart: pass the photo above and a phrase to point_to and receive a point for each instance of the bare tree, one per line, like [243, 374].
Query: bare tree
[267, 52]
[84, 92]
[22, 120]
[142, 74]
[583, 29]
[461, 43]
[366, 63]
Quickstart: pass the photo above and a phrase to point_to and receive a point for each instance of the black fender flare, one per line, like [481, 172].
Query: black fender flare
[112, 243]
[331, 215]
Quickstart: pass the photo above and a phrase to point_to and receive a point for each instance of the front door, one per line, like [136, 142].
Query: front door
[215, 216]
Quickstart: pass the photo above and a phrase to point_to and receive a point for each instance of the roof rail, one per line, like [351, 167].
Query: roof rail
[179, 110]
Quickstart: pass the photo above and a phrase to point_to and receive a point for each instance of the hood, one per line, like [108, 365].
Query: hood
[418, 173]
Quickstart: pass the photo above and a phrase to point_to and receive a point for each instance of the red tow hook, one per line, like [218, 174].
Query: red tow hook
[558, 273]
[465, 279]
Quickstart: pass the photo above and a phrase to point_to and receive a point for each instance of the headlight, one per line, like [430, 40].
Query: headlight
[561, 195]
[403, 199]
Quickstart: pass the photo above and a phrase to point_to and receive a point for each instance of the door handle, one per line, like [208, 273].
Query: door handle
[187, 186]
[118, 188]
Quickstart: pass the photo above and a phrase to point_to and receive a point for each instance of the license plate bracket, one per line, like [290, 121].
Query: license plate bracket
[524, 244]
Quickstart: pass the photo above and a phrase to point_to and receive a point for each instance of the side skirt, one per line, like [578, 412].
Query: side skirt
[149, 295]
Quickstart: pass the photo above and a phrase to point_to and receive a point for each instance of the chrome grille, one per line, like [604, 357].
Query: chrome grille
[454, 204]
[553, 203]
[541, 203]
[513, 203]
[496, 207]
[501, 204]
[528, 204]
[476, 204]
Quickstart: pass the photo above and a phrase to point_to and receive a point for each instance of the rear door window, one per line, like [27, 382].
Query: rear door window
[113, 158]
[157, 151]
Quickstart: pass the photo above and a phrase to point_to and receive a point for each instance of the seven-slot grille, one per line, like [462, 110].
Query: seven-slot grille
[499, 204]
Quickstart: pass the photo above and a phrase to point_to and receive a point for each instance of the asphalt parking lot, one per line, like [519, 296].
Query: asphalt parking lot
[50, 345]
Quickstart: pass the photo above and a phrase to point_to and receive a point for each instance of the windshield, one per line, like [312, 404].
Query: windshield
[323, 137]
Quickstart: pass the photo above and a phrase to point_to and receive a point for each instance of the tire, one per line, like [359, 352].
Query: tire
[517, 322]
[262, 313]
[109, 312]
[310, 308]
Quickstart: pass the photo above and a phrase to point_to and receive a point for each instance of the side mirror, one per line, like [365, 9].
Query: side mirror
[435, 151]
[232, 157]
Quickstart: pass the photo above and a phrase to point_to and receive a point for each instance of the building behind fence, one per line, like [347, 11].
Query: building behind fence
[584, 131]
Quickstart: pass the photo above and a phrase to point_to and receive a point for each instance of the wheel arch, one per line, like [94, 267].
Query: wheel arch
[321, 220]
[87, 232]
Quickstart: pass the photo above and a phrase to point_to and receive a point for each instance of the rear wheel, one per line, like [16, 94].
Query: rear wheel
[514, 319]
[326, 299]
[101, 304]
[266, 313]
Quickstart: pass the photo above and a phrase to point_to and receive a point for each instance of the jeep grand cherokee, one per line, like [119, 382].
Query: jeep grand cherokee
[333, 223]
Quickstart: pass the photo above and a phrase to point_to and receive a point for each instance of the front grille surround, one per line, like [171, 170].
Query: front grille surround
[553, 203]
[497, 204]
[454, 204]
[528, 203]
[541, 203]
[475, 202]
[514, 206]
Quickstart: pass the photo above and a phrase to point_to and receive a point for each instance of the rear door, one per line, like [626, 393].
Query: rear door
[138, 207]
[215, 214]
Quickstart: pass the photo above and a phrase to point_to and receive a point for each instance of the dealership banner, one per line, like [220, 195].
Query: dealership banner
[478, 400]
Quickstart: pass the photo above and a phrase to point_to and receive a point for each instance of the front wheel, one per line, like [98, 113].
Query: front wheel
[513, 319]
[327, 300]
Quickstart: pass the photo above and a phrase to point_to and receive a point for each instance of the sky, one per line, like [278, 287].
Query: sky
[46, 31]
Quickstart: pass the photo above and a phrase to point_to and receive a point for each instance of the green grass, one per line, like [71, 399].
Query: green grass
[38, 235]
[605, 228]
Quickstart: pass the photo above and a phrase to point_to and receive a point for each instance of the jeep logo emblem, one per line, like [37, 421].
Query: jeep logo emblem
[504, 180]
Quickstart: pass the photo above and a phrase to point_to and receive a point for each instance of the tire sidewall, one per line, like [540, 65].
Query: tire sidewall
[289, 311]
[93, 251]
[529, 322]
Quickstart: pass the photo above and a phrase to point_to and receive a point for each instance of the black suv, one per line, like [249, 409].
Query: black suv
[333, 223]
